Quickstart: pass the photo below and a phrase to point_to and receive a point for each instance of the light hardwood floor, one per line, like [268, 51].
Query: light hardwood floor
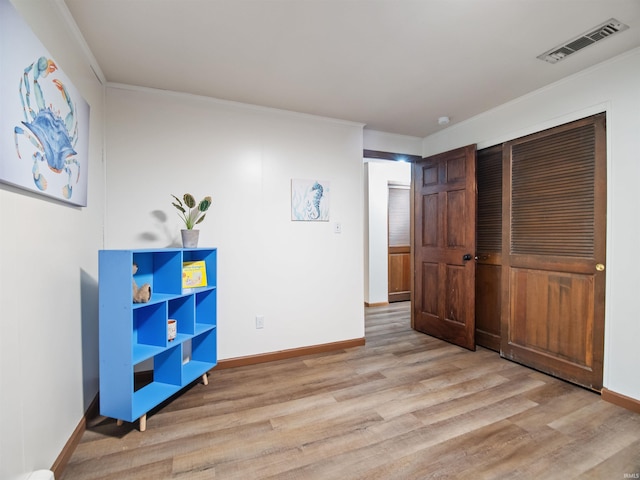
[405, 406]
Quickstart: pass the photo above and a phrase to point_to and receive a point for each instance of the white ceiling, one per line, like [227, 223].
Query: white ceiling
[395, 65]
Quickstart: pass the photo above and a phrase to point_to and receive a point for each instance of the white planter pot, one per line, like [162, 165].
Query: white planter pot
[190, 238]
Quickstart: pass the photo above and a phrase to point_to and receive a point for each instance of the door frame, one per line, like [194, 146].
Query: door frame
[392, 157]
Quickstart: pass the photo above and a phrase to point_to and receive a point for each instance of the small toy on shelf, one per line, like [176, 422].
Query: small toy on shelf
[142, 294]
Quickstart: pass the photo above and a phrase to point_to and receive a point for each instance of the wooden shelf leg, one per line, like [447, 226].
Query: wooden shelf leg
[143, 422]
[205, 379]
[119, 422]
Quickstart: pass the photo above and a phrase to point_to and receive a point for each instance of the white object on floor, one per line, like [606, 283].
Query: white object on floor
[41, 475]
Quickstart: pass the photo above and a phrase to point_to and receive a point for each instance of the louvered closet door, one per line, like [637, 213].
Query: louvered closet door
[399, 258]
[554, 235]
[489, 247]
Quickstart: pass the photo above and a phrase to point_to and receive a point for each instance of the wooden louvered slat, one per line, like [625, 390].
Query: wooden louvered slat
[552, 195]
[489, 180]
[399, 216]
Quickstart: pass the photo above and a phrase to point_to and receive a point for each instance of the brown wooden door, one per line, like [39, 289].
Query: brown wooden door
[554, 243]
[444, 243]
[399, 258]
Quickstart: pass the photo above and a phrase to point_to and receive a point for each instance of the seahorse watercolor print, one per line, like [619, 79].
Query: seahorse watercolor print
[310, 200]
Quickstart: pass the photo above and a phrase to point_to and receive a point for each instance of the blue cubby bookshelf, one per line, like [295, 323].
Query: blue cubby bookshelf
[133, 333]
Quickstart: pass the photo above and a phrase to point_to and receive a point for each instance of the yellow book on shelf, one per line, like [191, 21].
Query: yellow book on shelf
[194, 274]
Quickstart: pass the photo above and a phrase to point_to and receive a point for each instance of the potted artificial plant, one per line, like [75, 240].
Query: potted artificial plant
[191, 217]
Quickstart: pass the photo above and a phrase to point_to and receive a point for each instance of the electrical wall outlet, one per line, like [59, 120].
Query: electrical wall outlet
[259, 321]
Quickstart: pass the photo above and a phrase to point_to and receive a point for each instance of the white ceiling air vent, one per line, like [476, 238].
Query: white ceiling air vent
[608, 28]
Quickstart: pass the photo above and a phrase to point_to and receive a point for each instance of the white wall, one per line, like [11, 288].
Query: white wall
[614, 87]
[48, 286]
[305, 279]
[379, 174]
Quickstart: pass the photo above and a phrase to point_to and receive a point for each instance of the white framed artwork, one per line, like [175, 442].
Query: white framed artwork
[310, 200]
[44, 121]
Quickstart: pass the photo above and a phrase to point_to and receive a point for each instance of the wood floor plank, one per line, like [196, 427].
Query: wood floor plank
[478, 401]
[627, 460]
[550, 410]
[319, 455]
[270, 447]
[482, 448]
[403, 406]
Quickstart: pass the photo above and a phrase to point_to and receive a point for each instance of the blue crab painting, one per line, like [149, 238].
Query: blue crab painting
[53, 133]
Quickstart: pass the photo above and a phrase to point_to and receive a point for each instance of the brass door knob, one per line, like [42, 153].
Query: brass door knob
[600, 267]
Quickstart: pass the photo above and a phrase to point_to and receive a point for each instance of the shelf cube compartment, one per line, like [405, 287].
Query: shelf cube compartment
[203, 356]
[150, 325]
[182, 310]
[167, 366]
[206, 304]
[153, 386]
[210, 259]
[160, 269]
[204, 347]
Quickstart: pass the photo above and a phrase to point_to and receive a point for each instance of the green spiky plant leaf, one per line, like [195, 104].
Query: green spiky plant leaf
[189, 201]
[196, 212]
